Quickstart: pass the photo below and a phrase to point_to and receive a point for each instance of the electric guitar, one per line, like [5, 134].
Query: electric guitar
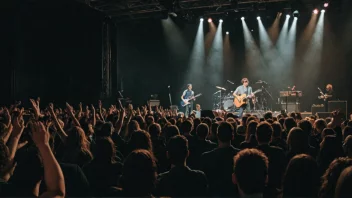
[323, 96]
[187, 101]
[242, 99]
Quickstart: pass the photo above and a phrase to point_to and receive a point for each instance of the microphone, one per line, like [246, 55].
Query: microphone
[230, 82]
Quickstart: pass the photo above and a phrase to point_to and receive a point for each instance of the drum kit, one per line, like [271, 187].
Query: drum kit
[224, 99]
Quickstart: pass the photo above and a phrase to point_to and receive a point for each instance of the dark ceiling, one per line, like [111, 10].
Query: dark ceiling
[125, 10]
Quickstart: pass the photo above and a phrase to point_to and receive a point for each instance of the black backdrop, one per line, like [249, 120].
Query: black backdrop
[53, 50]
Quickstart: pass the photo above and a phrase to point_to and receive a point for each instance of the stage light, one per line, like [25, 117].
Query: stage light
[326, 5]
[227, 33]
[258, 18]
[288, 16]
[322, 11]
[242, 18]
[210, 20]
[296, 14]
[220, 20]
[201, 19]
[315, 11]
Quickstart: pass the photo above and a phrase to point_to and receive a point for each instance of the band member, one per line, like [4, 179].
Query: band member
[329, 94]
[244, 89]
[187, 94]
[198, 111]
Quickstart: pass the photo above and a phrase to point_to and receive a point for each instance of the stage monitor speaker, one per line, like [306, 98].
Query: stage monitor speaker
[306, 114]
[338, 105]
[323, 115]
[291, 107]
[317, 108]
[207, 113]
[154, 103]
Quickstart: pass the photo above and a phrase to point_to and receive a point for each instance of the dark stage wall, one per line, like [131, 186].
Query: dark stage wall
[147, 64]
[53, 49]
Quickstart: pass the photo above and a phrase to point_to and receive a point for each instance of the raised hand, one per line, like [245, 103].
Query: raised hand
[18, 126]
[7, 116]
[36, 108]
[40, 135]
[69, 108]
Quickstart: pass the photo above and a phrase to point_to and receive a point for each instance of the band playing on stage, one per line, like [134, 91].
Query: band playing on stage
[244, 99]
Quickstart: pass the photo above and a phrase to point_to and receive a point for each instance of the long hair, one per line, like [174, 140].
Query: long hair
[105, 150]
[141, 140]
[77, 141]
[251, 129]
[331, 176]
[139, 173]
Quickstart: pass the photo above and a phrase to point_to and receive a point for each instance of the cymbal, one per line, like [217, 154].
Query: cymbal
[261, 82]
[220, 88]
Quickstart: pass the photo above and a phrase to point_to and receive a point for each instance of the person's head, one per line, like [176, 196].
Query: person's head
[214, 131]
[225, 132]
[177, 150]
[245, 82]
[347, 146]
[277, 130]
[207, 121]
[263, 133]
[328, 87]
[344, 183]
[105, 130]
[297, 140]
[268, 115]
[140, 121]
[171, 131]
[154, 130]
[149, 120]
[132, 127]
[251, 129]
[347, 131]
[306, 126]
[327, 131]
[289, 123]
[330, 148]
[139, 173]
[302, 177]
[320, 125]
[76, 139]
[186, 127]
[202, 131]
[332, 174]
[189, 86]
[141, 140]
[233, 123]
[198, 107]
[105, 150]
[250, 171]
[244, 121]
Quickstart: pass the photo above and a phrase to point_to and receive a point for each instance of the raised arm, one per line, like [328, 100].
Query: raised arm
[119, 123]
[60, 130]
[94, 117]
[53, 176]
[70, 112]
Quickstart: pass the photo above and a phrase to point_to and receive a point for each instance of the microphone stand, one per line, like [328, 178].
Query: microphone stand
[170, 97]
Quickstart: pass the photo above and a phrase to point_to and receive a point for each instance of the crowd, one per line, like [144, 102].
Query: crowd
[150, 151]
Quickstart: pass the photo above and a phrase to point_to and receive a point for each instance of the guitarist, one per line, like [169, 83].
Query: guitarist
[244, 89]
[187, 94]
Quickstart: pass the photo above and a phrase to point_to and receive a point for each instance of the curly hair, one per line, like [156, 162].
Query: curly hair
[331, 175]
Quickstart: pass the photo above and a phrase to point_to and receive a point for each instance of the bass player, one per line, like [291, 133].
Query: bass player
[244, 89]
[188, 94]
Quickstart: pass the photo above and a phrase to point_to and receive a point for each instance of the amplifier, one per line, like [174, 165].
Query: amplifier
[291, 107]
[323, 115]
[317, 108]
[338, 105]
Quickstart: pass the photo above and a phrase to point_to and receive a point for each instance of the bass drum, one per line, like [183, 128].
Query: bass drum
[228, 104]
